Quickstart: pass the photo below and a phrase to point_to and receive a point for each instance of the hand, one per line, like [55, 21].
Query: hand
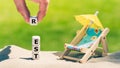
[22, 8]
[43, 4]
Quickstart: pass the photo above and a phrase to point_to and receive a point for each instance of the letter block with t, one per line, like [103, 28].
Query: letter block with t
[35, 47]
[33, 20]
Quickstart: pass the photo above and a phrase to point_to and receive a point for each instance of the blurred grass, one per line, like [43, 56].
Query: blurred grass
[59, 25]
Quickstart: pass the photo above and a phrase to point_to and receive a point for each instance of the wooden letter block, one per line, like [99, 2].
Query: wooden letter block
[35, 56]
[35, 47]
[35, 40]
[33, 20]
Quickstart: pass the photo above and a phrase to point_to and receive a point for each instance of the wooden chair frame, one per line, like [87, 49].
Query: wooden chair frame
[88, 51]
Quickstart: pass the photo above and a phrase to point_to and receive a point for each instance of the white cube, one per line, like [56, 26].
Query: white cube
[35, 48]
[35, 40]
[35, 56]
[33, 20]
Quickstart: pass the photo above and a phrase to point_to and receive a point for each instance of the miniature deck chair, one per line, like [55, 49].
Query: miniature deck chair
[87, 39]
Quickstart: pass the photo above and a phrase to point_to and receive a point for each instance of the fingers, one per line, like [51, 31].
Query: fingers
[22, 8]
[42, 9]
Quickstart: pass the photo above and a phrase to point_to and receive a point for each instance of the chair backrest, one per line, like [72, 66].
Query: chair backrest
[91, 35]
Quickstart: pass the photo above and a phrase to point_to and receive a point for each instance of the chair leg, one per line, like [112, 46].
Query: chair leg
[66, 52]
[86, 56]
[105, 46]
[90, 51]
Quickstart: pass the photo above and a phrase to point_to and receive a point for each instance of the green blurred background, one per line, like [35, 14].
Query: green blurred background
[59, 25]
